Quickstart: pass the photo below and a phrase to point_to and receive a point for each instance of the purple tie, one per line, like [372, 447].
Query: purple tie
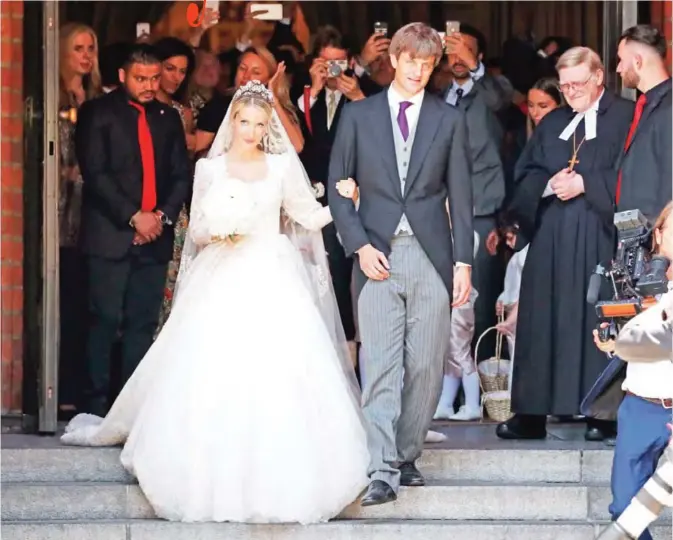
[402, 119]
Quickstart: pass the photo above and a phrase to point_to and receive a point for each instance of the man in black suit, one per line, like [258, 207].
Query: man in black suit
[645, 176]
[137, 174]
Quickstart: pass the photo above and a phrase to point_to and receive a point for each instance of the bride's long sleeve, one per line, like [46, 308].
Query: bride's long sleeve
[198, 226]
[299, 201]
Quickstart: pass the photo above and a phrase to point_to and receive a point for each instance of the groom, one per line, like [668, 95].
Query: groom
[408, 152]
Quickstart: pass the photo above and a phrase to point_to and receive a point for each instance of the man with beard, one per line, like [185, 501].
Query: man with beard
[133, 156]
[645, 176]
[468, 94]
[565, 197]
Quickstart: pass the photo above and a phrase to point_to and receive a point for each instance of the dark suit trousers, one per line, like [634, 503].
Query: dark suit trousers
[488, 278]
[341, 268]
[126, 294]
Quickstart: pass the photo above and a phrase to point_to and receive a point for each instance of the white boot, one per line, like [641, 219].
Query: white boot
[471, 410]
[450, 386]
[465, 414]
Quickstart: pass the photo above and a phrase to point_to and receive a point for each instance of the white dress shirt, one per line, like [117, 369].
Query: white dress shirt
[412, 114]
[328, 92]
[649, 379]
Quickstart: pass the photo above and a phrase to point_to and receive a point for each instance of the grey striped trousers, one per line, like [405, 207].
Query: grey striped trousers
[405, 324]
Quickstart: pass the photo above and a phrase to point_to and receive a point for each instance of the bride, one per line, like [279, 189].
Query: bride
[246, 407]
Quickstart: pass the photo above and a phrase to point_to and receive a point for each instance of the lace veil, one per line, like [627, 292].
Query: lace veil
[309, 243]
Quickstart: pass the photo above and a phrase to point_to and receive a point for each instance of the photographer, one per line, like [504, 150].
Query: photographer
[332, 84]
[645, 343]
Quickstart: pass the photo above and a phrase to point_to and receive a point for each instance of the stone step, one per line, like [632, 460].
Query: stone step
[471, 501]
[68, 464]
[336, 530]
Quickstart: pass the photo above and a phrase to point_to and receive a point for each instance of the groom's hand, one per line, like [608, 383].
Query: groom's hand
[462, 284]
[373, 263]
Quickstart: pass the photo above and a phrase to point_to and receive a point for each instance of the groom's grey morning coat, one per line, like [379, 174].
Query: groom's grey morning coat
[439, 168]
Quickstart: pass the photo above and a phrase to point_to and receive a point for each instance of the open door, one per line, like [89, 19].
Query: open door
[41, 169]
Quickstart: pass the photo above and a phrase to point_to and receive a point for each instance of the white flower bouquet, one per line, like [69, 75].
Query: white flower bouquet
[230, 211]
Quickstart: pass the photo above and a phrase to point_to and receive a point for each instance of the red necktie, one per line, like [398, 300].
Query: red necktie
[149, 202]
[640, 105]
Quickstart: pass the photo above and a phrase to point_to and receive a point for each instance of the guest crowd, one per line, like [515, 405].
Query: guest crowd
[554, 155]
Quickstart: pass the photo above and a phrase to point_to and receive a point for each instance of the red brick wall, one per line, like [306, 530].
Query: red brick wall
[11, 202]
[661, 18]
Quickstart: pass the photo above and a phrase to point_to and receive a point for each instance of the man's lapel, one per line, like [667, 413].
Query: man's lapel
[647, 111]
[428, 124]
[127, 116]
[156, 118]
[386, 144]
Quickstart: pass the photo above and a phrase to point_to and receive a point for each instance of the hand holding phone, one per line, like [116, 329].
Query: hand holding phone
[452, 27]
[381, 28]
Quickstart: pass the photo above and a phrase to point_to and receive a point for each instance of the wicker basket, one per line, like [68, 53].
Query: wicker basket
[498, 405]
[493, 379]
[494, 372]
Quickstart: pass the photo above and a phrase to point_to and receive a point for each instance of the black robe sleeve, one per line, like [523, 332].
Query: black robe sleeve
[530, 179]
[599, 190]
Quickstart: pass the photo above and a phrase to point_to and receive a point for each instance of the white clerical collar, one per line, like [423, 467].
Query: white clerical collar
[590, 119]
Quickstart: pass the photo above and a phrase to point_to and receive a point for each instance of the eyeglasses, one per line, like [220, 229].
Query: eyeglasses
[566, 87]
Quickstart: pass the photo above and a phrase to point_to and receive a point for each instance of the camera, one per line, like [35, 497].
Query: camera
[336, 67]
[635, 275]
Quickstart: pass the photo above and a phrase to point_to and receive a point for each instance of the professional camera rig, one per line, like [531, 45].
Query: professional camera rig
[635, 275]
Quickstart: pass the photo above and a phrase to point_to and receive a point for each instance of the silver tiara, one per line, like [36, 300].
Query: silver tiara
[254, 89]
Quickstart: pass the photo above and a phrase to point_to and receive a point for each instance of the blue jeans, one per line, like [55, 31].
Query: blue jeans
[642, 437]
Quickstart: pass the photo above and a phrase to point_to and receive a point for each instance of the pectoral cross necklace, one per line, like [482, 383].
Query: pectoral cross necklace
[573, 160]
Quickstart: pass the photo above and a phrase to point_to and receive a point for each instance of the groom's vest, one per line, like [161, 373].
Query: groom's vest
[403, 156]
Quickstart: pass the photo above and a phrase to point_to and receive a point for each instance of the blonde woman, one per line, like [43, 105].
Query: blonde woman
[79, 81]
[256, 63]
[254, 334]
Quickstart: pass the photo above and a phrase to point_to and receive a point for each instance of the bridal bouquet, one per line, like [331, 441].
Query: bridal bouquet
[229, 211]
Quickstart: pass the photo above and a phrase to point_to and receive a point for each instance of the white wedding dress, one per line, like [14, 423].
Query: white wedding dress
[241, 410]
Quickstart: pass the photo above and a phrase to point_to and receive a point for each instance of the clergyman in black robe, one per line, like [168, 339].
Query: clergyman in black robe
[568, 218]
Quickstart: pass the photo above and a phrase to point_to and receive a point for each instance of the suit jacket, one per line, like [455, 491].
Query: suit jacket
[646, 165]
[485, 137]
[108, 152]
[648, 337]
[439, 167]
[318, 144]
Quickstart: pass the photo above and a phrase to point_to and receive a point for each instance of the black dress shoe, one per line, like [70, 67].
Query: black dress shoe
[378, 492]
[599, 430]
[410, 475]
[523, 427]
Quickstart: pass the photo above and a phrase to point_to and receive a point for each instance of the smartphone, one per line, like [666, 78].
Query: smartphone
[142, 29]
[381, 28]
[452, 27]
[274, 12]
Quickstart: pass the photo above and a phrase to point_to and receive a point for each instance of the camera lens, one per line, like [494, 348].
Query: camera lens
[659, 265]
[334, 70]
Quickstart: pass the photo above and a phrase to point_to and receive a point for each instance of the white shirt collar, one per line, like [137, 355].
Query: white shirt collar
[466, 88]
[590, 119]
[328, 92]
[394, 98]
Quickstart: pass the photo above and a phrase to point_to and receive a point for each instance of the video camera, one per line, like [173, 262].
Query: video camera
[635, 275]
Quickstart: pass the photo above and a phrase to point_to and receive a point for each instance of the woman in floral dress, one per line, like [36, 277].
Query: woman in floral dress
[177, 61]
